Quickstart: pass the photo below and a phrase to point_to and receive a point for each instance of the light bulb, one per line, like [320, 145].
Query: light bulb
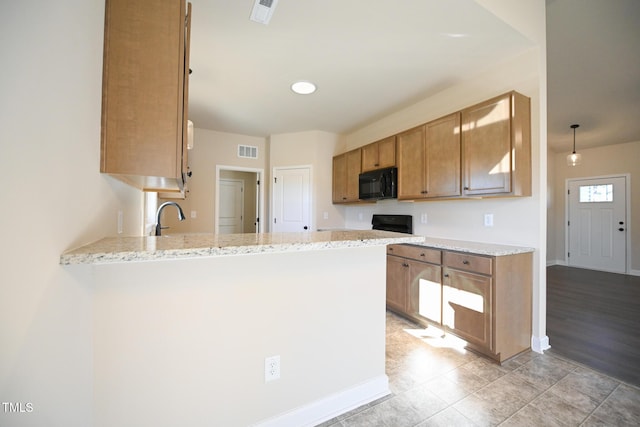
[574, 159]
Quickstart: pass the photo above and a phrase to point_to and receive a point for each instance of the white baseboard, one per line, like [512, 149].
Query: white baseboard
[634, 272]
[331, 406]
[540, 344]
[556, 262]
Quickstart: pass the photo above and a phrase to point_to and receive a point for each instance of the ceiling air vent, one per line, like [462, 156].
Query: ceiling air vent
[263, 10]
[247, 152]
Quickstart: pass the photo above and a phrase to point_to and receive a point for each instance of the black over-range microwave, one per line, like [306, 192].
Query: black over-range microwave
[378, 184]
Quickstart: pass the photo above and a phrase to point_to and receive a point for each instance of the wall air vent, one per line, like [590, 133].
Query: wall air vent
[247, 152]
[263, 10]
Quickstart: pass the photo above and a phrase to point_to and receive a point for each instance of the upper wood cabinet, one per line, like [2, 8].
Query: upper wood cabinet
[380, 154]
[346, 169]
[442, 139]
[145, 93]
[496, 147]
[429, 160]
[411, 164]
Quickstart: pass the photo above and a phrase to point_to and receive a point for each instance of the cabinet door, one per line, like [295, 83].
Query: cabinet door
[397, 269]
[425, 291]
[346, 170]
[442, 138]
[380, 154]
[387, 152]
[486, 147]
[466, 304]
[411, 164]
[353, 172]
[339, 178]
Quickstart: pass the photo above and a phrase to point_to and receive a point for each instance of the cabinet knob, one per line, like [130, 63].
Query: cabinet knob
[446, 275]
[465, 262]
[466, 188]
[422, 255]
[404, 264]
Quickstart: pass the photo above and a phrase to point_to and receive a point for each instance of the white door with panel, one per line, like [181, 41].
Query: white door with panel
[597, 224]
[231, 206]
[292, 199]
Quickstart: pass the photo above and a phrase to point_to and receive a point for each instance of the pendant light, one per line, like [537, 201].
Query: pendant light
[574, 159]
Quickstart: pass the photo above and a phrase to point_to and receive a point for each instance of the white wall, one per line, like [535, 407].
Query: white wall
[315, 149]
[184, 342]
[54, 198]
[210, 149]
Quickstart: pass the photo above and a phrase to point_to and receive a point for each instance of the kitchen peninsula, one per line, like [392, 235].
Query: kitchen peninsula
[183, 324]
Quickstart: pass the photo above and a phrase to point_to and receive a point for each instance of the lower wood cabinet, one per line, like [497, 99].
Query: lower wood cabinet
[485, 300]
[414, 282]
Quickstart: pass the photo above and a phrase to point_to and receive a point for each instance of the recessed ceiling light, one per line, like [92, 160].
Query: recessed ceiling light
[455, 35]
[303, 88]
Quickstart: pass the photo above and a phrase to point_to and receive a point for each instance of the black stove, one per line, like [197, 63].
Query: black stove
[396, 223]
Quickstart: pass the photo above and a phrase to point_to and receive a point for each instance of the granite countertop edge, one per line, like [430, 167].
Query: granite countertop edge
[479, 248]
[137, 249]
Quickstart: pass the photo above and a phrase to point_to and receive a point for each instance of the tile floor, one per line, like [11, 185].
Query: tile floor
[435, 382]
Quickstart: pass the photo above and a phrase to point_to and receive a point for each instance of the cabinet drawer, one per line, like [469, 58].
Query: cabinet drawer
[419, 253]
[475, 263]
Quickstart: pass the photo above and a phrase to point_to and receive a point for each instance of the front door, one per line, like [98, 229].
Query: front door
[597, 223]
[292, 199]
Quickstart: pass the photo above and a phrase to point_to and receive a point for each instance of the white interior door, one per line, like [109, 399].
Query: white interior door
[597, 226]
[292, 199]
[231, 206]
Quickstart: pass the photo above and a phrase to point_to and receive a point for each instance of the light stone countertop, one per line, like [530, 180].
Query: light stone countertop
[181, 246]
[480, 248]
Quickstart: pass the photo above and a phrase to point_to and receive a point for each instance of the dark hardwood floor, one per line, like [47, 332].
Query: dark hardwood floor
[593, 317]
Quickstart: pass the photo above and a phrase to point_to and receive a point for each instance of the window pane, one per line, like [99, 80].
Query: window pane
[596, 193]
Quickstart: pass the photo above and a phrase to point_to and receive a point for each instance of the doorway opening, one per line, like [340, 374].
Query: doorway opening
[239, 200]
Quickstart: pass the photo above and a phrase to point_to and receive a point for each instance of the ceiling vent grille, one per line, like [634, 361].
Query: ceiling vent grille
[263, 10]
[247, 152]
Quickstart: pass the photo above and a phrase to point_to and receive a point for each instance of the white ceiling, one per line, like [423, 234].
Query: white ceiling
[371, 58]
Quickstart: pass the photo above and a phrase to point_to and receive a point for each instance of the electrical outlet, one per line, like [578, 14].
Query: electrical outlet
[325, 215]
[423, 218]
[271, 368]
[194, 214]
[488, 220]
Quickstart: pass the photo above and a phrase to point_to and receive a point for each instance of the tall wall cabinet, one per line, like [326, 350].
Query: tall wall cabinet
[145, 93]
[346, 169]
[496, 147]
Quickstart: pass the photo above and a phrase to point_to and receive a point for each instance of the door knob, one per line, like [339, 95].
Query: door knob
[306, 228]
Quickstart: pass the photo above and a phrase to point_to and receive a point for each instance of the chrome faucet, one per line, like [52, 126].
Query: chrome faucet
[181, 216]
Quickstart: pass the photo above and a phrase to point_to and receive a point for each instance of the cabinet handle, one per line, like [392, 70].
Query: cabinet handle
[424, 192]
[422, 255]
[446, 275]
[404, 264]
[390, 249]
[465, 262]
[466, 188]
